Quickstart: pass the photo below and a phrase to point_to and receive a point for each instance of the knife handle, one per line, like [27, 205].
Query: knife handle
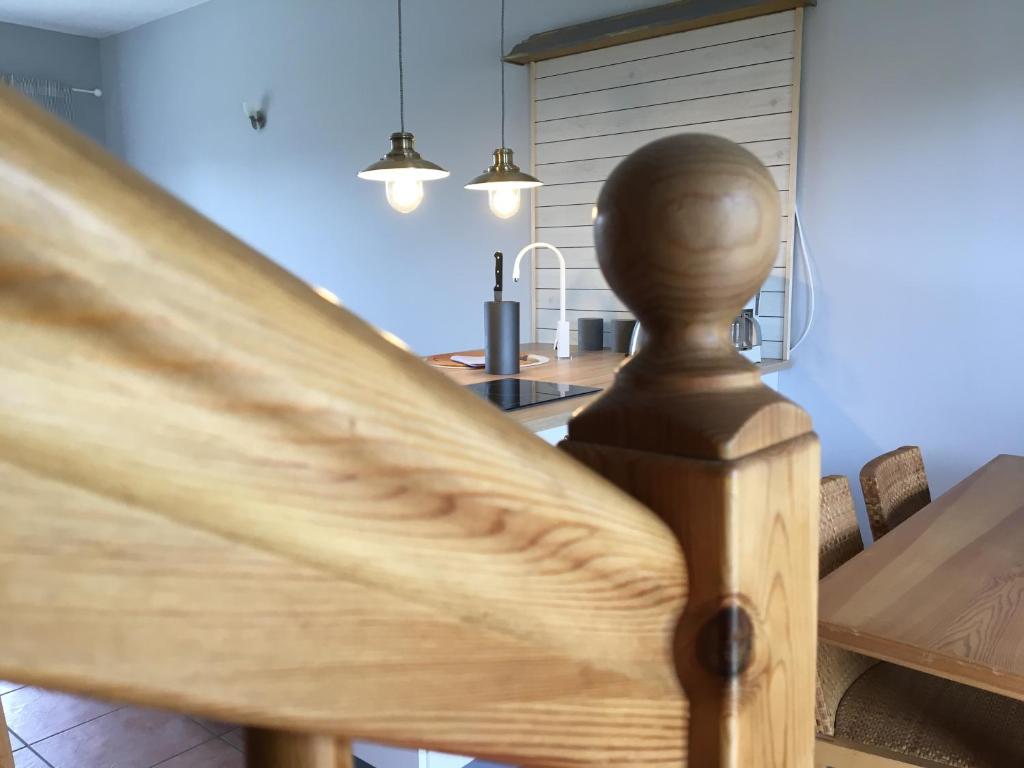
[499, 258]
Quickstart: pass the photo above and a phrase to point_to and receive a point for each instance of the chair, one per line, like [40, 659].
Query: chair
[839, 540]
[895, 487]
[893, 711]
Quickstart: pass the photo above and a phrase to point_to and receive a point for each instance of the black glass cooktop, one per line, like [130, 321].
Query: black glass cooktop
[511, 394]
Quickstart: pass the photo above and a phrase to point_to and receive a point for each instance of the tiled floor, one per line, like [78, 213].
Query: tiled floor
[56, 730]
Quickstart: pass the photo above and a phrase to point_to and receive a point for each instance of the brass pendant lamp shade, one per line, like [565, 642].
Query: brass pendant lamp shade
[403, 169]
[504, 172]
[503, 180]
[403, 161]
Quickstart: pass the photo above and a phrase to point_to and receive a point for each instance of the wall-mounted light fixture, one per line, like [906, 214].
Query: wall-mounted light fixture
[257, 117]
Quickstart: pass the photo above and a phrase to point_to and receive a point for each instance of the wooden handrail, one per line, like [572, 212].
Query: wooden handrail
[224, 495]
[221, 494]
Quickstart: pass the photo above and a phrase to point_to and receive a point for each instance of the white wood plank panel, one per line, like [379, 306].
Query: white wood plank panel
[546, 318]
[772, 304]
[582, 236]
[742, 130]
[771, 328]
[780, 257]
[586, 258]
[565, 216]
[583, 213]
[771, 153]
[575, 279]
[591, 110]
[575, 258]
[659, 46]
[726, 56]
[567, 237]
[547, 336]
[776, 280]
[583, 300]
[768, 101]
[753, 77]
[593, 280]
[587, 191]
[569, 194]
[577, 171]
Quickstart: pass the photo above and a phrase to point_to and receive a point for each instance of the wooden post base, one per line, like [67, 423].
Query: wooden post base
[279, 749]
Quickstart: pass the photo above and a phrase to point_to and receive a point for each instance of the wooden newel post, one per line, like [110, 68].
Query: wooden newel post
[686, 231]
[281, 749]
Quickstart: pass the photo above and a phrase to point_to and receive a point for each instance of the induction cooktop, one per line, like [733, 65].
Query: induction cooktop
[512, 394]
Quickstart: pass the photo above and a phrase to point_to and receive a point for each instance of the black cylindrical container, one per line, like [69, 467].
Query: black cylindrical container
[622, 332]
[501, 337]
[591, 333]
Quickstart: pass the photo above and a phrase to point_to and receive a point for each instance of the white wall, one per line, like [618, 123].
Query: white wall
[328, 67]
[910, 188]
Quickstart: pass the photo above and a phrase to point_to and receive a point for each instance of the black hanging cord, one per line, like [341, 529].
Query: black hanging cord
[501, 63]
[401, 72]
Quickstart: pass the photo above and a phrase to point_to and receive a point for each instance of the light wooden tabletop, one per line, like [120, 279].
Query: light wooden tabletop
[944, 592]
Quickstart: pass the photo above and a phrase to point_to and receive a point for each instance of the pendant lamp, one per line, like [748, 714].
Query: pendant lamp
[503, 181]
[402, 169]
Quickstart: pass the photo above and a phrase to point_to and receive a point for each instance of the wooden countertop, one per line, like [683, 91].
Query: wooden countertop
[594, 369]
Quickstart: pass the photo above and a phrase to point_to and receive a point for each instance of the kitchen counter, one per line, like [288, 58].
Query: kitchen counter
[594, 369]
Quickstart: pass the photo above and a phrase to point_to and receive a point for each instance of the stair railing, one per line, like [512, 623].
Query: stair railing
[221, 494]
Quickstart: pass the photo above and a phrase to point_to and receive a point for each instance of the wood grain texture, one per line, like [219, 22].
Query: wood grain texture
[274, 749]
[643, 24]
[222, 494]
[942, 592]
[746, 526]
[686, 231]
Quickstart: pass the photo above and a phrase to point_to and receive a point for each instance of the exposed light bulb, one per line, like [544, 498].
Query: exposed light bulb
[405, 195]
[504, 202]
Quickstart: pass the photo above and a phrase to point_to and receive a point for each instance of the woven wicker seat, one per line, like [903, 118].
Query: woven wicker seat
[909, 712]
[838, 540]
[893, 709]
[895, 487]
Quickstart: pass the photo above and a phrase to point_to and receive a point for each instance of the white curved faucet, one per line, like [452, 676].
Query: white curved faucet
[562, 326]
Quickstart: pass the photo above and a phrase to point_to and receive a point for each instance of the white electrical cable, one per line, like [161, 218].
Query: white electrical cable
[805, 257]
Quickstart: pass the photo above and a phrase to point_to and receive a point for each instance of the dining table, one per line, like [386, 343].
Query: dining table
[943, 592]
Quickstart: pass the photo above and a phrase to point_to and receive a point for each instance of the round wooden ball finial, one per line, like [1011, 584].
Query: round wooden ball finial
[687, 230]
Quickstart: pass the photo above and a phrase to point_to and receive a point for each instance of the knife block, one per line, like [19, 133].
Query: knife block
[501, 337]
